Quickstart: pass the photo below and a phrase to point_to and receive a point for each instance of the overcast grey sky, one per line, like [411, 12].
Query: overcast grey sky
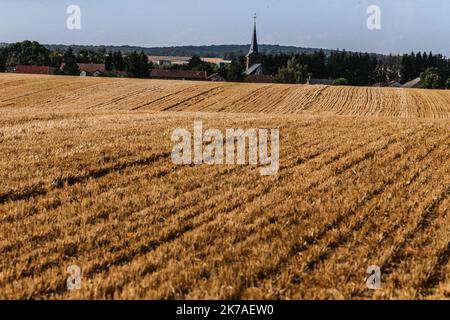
[406, 25]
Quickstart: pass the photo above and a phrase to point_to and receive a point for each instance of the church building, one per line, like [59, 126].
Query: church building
[255, 69]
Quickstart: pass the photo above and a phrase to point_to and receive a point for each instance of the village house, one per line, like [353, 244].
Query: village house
[90, 69]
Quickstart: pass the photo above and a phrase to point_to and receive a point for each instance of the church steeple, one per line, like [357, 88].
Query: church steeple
[254, 45]
[255, 62]
[253, 56]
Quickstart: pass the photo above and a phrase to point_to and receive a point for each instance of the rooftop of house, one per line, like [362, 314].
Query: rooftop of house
[33, 69]
[92, 67]
[89, 67]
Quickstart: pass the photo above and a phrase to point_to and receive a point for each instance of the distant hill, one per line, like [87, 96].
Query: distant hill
[213, 51]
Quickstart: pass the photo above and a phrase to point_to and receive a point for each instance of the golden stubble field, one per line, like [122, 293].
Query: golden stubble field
[87, 179]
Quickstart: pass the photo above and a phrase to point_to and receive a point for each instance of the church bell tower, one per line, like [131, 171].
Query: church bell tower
[253, 56]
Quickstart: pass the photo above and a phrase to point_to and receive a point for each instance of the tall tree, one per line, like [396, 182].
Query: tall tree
[235, 71]
[26, 52]
[137, 65]
[432, 79]
[292, 73]
[70, 63]
[2, 60]
[118, 61]
[197, 64]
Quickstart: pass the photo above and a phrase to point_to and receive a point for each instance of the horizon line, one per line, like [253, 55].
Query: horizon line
[217, 45]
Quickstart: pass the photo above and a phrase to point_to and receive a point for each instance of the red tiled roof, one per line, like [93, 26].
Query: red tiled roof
[178, 74]
[92, 67]
[89, 67]
[34, 69]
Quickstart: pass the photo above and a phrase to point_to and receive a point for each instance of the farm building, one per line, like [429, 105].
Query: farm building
[33, 69]
[178, 74]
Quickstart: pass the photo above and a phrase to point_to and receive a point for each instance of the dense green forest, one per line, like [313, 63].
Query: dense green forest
[344, 67]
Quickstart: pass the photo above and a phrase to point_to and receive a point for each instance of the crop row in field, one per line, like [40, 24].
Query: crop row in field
[99, 190]
[71, 94]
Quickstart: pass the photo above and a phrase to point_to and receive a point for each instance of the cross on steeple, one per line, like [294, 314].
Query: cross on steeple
[254, 17]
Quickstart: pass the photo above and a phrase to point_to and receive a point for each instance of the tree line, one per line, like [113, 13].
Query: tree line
[343, 67]
[134, 64]
[227, 52]
[362, 69]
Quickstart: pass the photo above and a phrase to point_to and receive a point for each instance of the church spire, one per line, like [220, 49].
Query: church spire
[254, 58]
[254, 45]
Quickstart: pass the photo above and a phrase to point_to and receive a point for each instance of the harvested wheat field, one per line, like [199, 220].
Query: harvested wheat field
[88, 179]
